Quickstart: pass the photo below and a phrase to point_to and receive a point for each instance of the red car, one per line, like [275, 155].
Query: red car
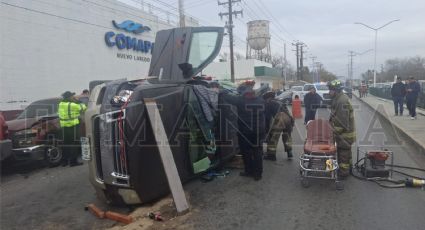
[5, 142]
[35, 133]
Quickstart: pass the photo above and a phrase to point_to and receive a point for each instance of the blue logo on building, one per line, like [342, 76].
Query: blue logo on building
[121, 41]
[132, 27]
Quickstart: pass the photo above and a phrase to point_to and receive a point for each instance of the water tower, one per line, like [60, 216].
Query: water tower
[258, 41]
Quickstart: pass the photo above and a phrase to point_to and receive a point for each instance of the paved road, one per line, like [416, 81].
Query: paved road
[36, 197]
[279, 202]
[43, 198]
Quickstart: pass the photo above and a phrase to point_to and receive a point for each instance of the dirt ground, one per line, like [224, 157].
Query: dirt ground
[168, 212]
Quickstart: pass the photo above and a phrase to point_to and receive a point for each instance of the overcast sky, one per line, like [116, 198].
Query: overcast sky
[327, 27]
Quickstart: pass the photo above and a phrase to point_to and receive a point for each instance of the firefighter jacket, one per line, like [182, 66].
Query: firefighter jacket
[276, 110]
[342, 118]
[69, 113]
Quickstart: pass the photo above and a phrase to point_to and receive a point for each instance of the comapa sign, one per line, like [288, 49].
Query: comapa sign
[121, 41]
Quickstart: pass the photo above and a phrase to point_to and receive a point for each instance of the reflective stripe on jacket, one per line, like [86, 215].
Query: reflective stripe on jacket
[342, 118]
[69, 113]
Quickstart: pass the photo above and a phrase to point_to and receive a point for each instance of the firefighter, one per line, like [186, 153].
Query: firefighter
[278, 121]
[342, 122]
[69, 111]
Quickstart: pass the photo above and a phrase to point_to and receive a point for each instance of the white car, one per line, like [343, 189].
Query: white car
[296, 90]
[321, 89]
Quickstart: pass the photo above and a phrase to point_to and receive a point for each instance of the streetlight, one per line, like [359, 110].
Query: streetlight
[376, 39]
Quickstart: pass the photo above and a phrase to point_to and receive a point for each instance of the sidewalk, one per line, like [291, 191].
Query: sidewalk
[414, 130]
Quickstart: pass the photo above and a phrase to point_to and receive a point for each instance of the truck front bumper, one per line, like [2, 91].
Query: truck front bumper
[36, 152]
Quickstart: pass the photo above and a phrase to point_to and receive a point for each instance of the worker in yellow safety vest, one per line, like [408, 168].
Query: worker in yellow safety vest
[69, 111]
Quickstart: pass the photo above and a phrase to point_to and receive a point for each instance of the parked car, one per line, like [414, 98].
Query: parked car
[348, 91]
[296, 90]
[321, 89]
[35, 133]
[285, 97]
[5, 142]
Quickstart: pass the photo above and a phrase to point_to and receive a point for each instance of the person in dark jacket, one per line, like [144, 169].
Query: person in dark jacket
[413, 88]
[398, 91]
[251, 125]
[311, 102]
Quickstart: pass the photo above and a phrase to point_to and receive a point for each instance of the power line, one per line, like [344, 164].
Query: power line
[54, 15]
[277, 21]
[229, 26]
[257, 17]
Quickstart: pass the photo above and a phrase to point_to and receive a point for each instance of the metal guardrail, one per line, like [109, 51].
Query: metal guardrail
[386, 93]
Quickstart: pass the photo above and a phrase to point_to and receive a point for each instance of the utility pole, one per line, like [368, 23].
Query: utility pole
[302, 45]
[313, 59]
[181, 13]
[229, 26]
[351, 55]
[297, 50]
[284, 64]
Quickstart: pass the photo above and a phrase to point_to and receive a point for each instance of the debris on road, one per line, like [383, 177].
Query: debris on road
[165, 212]
[126, 219]
[211, 175]
[155, 216]
[95, 210]
[119, 217]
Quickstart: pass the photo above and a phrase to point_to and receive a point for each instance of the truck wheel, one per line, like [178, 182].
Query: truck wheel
[53, 156]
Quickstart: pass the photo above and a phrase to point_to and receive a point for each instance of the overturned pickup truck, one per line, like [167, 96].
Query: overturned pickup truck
[125, 165]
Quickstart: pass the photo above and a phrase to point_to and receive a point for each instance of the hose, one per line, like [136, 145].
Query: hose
[379, 180]
[409, 175]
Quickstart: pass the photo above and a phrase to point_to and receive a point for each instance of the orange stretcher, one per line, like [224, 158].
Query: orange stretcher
[319, 159]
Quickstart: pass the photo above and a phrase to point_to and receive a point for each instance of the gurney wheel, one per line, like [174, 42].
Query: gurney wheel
[339, 185]
[305, 182]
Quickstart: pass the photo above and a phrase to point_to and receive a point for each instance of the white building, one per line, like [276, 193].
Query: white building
[249, 69]
[48, 47]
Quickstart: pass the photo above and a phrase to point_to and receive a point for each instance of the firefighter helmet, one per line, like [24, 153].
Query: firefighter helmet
[335, 85]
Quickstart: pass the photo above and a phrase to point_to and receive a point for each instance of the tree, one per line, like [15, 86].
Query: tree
[238, 56]
[223, 56]
[404, 68]
[326, 76]
[277, 60]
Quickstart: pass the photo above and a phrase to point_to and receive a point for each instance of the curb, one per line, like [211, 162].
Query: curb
[419, 111]
[409, 138]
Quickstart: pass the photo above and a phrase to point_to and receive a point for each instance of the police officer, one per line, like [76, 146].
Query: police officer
[342, 122]
[69, 111]
[278, 121]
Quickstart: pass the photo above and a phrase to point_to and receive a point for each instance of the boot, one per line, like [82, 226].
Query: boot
[290, 155]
